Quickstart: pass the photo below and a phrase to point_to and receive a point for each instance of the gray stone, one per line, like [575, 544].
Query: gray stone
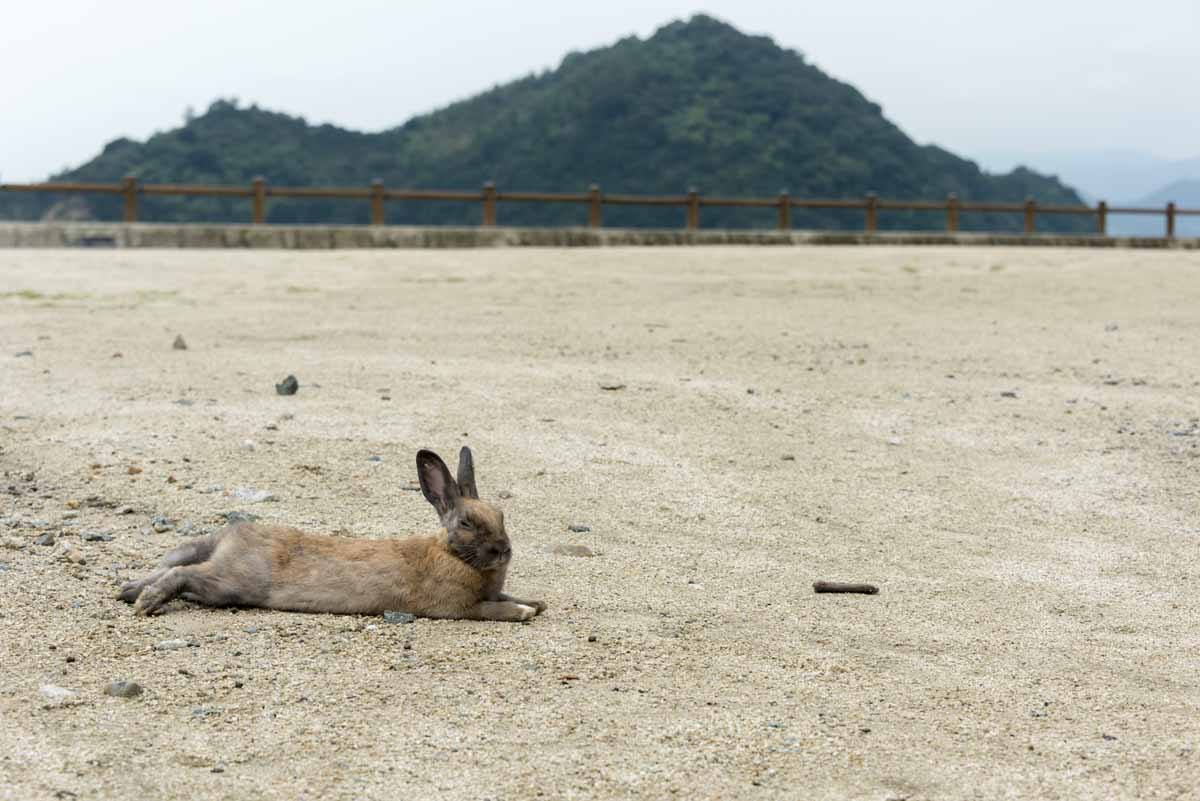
[572, 550]
[252, 495]
[398, 617]
[161, 524]
[57, 696]
[288, 386]
[579, 528]
[171, 645]
[98, 536]
[45, 539]
[123, 689]
[239, 517]
[179, 344]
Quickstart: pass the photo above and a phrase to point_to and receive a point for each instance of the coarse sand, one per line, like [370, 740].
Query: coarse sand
[1005, 441]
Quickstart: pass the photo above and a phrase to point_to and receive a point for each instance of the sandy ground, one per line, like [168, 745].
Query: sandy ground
[1005, 441]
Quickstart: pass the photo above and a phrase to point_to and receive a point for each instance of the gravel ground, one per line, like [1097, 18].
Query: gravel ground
[1004, 441]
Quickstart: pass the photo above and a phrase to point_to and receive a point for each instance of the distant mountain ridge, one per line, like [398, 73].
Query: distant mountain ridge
[1117, 176]
[1184, 194]
[696, 104]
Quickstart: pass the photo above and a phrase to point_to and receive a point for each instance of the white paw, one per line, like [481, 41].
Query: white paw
[527, 612]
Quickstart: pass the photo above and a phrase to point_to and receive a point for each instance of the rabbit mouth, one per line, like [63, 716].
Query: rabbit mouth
[481, 560]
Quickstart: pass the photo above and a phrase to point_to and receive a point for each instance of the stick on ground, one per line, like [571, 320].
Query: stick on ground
[838, 586]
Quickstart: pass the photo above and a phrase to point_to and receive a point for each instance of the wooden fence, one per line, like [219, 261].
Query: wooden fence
[130, 190]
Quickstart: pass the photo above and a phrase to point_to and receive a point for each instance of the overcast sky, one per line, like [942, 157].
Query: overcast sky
[975, 76]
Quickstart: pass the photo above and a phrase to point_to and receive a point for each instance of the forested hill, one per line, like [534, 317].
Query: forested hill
[697, 104]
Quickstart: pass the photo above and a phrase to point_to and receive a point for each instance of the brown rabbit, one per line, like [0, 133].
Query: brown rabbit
[456, 573]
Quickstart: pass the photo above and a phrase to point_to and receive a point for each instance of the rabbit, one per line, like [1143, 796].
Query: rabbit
[457, 573]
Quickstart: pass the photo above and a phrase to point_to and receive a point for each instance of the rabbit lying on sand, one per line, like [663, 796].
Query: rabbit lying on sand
[456, 573]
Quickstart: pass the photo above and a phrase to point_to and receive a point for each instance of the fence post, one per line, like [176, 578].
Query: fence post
[872, 209]
[594, 201]
[129, 191]
[259, 205]
[377, 202]
[1030, 210]
[952, 213]
[1171, 220]
[785, 210]
[489, 203]
[1102, 218]
[693, 209]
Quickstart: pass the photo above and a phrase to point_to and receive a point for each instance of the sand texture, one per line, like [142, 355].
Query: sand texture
[1004, 441]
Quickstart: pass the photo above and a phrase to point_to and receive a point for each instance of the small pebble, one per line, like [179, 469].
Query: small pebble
[374, 458]
[74, 556]
[179, 344]
[579, 528]
[98, 536]
[591, 638]
[45, 539]
[1008, 394]
[572, 550]
[252, 495]
[170, 645]
[239, 517]
[57, 696]
[123, 689]
[288, 386]
[398, 617]
[161, 524]
[505, 494]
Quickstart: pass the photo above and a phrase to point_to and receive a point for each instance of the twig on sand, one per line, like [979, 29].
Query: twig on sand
[838, 586]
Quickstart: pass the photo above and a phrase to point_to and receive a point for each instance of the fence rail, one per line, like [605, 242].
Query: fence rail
[258, 191]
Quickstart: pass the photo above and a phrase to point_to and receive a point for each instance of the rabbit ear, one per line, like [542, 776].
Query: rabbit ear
[436, 484]
[466, 474]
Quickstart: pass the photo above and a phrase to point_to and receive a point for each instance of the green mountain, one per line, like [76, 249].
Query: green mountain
[696, 104]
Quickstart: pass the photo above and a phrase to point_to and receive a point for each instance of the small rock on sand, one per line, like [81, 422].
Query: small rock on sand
[252, 495]
[288, 386]
[179, 344]
[170, 645]
[572, 550]
[57, 696]
[398, 617]
[123, 689]
[579, 528]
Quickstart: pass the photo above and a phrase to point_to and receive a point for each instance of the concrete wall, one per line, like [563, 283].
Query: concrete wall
[321, 237]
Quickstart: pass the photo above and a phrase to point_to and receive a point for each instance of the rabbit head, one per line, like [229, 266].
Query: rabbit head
[474, 528]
